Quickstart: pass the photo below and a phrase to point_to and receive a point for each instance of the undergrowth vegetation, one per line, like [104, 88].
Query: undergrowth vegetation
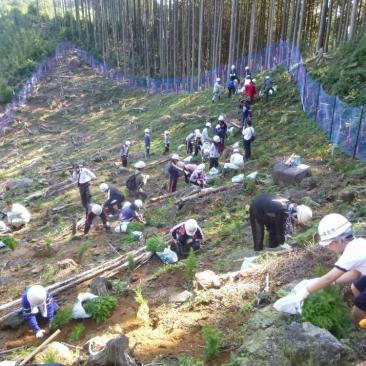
[100, 308]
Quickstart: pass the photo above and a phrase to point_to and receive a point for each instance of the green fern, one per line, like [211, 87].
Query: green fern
[100, 308]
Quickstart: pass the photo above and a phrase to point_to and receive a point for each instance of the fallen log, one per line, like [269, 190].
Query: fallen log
[168, 195]
[40, 347]
[235, 124]
[207, 192]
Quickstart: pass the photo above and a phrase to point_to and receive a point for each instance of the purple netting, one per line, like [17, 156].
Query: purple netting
[340, 122]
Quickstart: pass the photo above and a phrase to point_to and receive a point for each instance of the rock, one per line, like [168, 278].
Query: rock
[308, 183]
[101, 286]
[297, 196]
[13, 321]
[122, 171]
[165, 118]
[347, 196]
[19, 183]
[206, 279]
[180, 297]
[98, 157]
[74, 63]
[60, 354]
[276, 339]
[289, 175]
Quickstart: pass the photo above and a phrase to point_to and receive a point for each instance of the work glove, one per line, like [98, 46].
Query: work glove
[40, 334]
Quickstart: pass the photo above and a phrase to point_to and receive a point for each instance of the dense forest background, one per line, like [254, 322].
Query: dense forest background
[167, 38]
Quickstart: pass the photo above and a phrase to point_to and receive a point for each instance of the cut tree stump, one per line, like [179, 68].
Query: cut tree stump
[116, 352]
[290, 175]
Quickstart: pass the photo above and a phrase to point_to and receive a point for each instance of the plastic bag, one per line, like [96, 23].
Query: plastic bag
[168, 256]
[238, 178]
[121, 227]
[78, 312]
[248, 263]
[289, 304]
[137, 235]
[213, 171]
[252, 175]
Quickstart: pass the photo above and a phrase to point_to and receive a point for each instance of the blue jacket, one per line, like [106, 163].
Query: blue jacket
[30, 318]
[173, 172]
[128, 214]
[147, 140]
[230, 84]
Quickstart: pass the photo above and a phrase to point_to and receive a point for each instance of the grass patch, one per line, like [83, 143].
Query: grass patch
[191, 263]
[143, 310]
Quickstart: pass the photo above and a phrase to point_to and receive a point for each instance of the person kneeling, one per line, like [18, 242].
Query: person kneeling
[93, 211]
[185, 236]
[37, 302]
[130, 211]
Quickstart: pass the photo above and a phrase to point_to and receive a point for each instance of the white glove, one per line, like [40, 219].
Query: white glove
[302, 294]
[40, 334]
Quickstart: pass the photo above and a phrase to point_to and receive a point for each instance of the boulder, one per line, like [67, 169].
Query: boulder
[289, 175]
[276, 339]
[347, 196]
[60, 354]
[206, 279]
[19, 183]
[165, 118]
[34, 196]
[101, 286]
[13, 321]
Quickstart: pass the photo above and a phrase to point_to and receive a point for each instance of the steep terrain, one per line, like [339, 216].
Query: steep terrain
[76, 115]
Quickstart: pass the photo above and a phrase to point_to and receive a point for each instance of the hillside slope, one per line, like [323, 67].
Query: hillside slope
[76, 114]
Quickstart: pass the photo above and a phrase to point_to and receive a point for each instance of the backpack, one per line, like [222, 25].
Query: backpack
[253, 136]
[131, 182]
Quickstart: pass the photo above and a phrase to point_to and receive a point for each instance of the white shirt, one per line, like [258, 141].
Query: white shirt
[18, 211]
[248, 133]
[205, 137]
[238, 160]
[214, 153]
[84, 176]
[353, 257]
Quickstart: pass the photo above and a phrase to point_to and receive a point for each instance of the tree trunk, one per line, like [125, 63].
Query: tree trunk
[200, 30]
[252, 31]
[320, 41]
[352, 25]
[301, 24]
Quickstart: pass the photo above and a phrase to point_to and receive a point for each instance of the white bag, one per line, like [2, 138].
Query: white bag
[121, 227]
[248, 263]
[238, 178]
[78, 312]
[289, 304]
[213, 172]
[168, 256]
[252, 175]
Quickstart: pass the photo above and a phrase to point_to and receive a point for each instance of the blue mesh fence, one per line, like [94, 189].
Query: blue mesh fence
[345, 126]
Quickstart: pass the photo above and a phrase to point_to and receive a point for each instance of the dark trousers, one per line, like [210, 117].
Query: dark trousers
[182, 249]
[231, 92]
[214, 163]
[85, 195]
[247, 149]
[147, 152]
[166, 149]
[197, 149]
[89, 220]
[258, 231]
[110, 206]
[189, 146]
[173, 184]
[124, 161]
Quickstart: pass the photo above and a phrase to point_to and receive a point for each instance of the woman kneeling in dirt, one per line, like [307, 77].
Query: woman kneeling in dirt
[185, 236]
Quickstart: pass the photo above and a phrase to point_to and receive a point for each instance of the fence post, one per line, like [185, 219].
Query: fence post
[317, 103]
[358, 131]
[331, 125]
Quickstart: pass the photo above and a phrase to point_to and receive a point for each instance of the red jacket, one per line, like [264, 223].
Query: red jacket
[250, 91]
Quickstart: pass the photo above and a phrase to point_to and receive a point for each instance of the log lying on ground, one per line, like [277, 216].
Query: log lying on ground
[207, 192]
[168, 195]
[235, 124]
[59, 188]
[84, 276]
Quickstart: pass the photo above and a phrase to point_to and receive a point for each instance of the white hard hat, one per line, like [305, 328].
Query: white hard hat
[246, 67]
[331, 227]
[304, 214]
[236, 150]
[128, 143]
[175, 157]
[218, 126]
[139, 165]
[236, 145]
[36, 295]
[138, 203]
[221, 118]
[232, 67]
[200, 168]
[267, 77]
[96, 209]
[208, 124]
[104, 187]
[166, 132]
[270, 91]
[254, 80]
[197, 131]
[218, 80]
[216, 138]
[191, 226]
[147, 130]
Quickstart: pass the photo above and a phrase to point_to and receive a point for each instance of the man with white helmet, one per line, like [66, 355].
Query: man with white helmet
[136, 181]
[17, 215]
[278, 215]
[174, 172]
[205, 135]
[336, 234]
[37, 301]
[189, 142]
[124, 153]
[114, 198]
[236, 160]
[166, 142]
[95, 210]
[247, 72]
[185, 236]
[215, 152]
[216, 93]
[268, 87]
[147, 142]
[222, 131]
[198, 176]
